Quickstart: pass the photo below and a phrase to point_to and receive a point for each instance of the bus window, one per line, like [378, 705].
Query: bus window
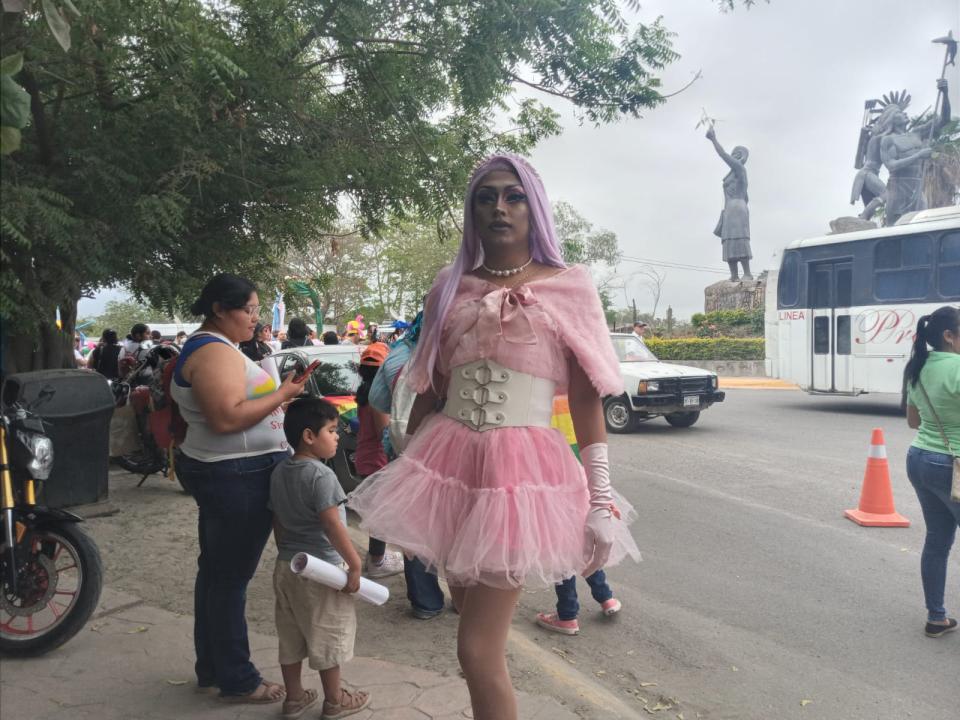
[948, 282]
[789, 280]
[821, 335]
[844, 287]
[843, 334]
[902, 268]
[819, 286]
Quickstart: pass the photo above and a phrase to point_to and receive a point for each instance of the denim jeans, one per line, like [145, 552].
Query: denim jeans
[234, 525]
[568, 607]
[423, 589]
[930, 474]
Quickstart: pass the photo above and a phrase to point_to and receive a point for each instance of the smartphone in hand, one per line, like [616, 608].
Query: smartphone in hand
[306, 373]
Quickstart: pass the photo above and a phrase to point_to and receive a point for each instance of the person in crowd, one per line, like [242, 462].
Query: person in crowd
[486, 492]
[298, 334]
[373, 333]
[257, 347]
[105, 358]
[314, 340]
[423, 589]
[564, 620]
[933, 409]
[78, 359]
[330, 337]
[156, 337]
[234, 439]
[314, 622]
[370, 455]
[180, 339]
[132, 346]
[639, 330]
[352, 337]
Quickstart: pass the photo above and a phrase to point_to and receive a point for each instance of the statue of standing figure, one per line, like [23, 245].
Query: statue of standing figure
[904, 153]
[867, 185]
[733, 228]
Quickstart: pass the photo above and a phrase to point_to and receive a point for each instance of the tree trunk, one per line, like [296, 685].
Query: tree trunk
[48, 348]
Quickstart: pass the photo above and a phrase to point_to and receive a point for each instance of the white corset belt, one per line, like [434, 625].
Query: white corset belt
[484, 395]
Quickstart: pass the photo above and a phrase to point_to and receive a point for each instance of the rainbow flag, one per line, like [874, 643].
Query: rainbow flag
[562, 421]
[346, 405]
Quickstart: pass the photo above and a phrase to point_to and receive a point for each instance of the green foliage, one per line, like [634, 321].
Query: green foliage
[724, 323]
[679, 349]
[121, 315]
[582, 244]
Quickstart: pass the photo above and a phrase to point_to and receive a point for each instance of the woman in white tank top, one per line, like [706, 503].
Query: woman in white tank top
[234, 414]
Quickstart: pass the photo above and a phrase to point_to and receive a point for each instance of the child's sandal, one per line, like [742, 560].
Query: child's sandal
[292, 709]
[350, 703]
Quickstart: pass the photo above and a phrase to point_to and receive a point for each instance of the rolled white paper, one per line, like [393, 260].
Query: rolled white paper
[330, 575]
[269, 365]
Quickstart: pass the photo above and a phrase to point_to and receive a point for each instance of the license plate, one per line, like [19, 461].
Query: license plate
[691, 400]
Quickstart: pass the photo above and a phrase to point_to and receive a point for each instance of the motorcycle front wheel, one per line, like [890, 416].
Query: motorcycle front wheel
[58, 588]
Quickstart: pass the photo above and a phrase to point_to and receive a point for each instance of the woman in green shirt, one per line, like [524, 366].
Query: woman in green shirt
[933, 391]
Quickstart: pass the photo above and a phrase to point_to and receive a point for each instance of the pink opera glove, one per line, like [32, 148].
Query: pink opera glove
[599, 531]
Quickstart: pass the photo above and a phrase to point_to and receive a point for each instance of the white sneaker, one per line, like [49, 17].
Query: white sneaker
[391, 565]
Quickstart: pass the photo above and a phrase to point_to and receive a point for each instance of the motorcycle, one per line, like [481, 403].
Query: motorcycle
[144, 388]
[51, 570]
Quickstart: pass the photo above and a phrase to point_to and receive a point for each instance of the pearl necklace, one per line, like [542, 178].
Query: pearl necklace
[507, 273]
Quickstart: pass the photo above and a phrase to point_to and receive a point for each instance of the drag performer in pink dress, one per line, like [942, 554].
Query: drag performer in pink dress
[487, 494]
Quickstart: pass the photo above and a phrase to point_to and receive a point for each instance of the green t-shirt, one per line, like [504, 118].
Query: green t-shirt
[941, 379]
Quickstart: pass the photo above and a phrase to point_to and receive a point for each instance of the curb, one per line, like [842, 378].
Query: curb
[755, 383]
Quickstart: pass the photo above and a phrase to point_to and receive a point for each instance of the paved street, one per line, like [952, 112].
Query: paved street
[756, 595]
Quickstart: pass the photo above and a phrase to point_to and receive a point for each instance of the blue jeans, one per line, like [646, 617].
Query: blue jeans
[568, 607]
[930, 474]
[234, 525]
[423, 590]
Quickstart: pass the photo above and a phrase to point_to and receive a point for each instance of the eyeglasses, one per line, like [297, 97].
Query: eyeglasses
[251, 310]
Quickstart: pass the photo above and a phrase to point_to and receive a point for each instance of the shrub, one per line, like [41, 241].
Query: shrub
[722, 348]
[729, 323]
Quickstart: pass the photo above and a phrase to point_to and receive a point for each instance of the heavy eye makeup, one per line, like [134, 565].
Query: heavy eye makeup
[489, 196]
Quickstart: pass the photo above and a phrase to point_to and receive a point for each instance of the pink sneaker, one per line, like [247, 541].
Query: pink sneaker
[550, 621]
[611, 607]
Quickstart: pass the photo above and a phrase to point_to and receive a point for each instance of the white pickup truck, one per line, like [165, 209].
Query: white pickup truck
[653, 388]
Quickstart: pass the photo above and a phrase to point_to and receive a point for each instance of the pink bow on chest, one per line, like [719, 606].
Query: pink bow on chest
[502, 314]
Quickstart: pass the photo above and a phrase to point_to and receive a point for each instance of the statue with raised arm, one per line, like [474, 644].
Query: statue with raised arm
[904, 153]
[733, 228]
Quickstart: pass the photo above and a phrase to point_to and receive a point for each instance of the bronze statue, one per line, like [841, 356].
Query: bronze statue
[733, 228]
[903, 153]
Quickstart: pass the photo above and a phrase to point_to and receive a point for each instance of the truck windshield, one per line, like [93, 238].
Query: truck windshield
[629, 349]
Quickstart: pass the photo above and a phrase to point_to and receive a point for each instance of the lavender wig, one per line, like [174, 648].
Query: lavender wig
[544, 247]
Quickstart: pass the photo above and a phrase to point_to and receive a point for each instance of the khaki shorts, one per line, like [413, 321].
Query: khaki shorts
[313, 621]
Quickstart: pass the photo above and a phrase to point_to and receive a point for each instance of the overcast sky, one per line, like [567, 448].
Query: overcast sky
[786, 79]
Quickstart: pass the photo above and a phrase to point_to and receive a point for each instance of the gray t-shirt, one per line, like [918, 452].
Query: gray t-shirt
[300, 489]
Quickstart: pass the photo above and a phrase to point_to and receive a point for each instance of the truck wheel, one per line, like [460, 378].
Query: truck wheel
[683, 419]
[618, 415]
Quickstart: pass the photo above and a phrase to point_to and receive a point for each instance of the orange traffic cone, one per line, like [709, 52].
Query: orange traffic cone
[876, 498]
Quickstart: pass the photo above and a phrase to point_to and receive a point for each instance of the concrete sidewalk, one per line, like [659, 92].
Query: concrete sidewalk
[135, 662]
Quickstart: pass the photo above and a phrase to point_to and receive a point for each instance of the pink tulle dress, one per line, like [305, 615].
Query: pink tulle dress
[506, 507]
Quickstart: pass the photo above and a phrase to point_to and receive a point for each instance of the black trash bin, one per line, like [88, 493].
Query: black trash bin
[78, 411]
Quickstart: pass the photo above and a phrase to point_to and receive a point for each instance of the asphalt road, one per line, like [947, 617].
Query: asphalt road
[756, 598]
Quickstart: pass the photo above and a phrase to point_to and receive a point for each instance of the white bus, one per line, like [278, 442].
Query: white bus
[842, 310]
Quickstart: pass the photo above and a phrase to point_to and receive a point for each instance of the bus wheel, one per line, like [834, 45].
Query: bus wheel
[683, 419]
[618, 415]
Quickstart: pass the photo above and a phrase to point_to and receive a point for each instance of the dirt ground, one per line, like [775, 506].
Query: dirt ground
[149, 548]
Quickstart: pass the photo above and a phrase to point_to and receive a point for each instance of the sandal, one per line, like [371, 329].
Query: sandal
[350, 703]
[266, 692]
[292, 709]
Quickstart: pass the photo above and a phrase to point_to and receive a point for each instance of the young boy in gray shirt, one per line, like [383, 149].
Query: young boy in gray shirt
[313, 621]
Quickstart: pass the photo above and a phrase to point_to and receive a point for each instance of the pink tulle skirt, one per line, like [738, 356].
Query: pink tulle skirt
[503, 508]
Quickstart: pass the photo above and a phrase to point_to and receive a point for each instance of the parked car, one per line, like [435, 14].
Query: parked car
[336, 378]
[653, 389]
